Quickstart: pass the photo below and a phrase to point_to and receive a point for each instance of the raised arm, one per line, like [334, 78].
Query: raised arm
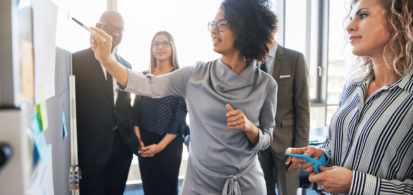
[135, 82]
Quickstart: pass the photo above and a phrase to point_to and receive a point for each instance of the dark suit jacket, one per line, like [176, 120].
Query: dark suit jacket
[96, 114]
[293, 103]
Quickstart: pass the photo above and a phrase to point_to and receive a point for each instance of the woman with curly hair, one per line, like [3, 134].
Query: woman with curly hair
[224, 142]
[370, 143]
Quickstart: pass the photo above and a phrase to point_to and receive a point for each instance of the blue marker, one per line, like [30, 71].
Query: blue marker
[88, 29]
[321, 161]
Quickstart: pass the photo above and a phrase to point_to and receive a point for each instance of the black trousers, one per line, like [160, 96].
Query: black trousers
[160, 173]
[110, 178]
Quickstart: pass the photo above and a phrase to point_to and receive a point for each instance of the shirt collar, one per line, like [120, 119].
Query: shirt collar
[114, 56]
[273, 50]
[247, 74]
[405, 83]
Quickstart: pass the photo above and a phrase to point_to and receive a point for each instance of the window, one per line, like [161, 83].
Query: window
[337, 56]
[296, 25]
[88, 12]
[186, 20]
[316, 29]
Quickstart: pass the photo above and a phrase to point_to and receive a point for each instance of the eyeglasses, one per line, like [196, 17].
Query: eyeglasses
[110, 27]
[221, 25]
[164, 44]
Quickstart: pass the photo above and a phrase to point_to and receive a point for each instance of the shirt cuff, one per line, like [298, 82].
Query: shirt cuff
[328, 156]
[261, 137]
[363, 183]
[122, 88]
[174, 128]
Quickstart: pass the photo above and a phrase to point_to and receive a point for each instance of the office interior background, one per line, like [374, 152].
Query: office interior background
[315, 28]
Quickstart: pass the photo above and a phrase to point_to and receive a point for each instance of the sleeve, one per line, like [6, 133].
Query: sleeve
[136, 111]
[267, 120]
[326, 147]
[301, 104]
[152, 86]
[364, 183]
[178, 121]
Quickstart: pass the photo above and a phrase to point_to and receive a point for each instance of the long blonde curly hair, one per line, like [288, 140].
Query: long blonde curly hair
[400, 17]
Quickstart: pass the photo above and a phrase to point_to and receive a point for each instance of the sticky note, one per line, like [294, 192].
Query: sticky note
[64, 129]
[42, 110]
[39, 139]
[27, 69]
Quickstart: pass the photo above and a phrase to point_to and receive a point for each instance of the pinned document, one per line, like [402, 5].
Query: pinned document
[44, 40]
[42, 110]
[27, 69]
[39, 139]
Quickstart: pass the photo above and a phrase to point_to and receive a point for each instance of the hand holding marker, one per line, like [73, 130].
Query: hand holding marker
[87, 28]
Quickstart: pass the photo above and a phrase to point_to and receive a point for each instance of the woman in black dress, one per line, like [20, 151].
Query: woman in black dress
[160, 125]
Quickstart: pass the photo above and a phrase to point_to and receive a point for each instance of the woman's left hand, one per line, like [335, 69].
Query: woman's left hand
[151, 150]
[237, 120]
[335, 180]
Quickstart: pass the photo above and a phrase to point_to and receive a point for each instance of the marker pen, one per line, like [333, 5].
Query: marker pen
[88, 29]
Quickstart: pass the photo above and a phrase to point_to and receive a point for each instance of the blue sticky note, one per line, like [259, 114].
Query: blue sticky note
[39, 139]
[321, 161]
[64, 129]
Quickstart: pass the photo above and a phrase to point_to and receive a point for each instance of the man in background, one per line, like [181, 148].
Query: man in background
[288, 68]
[106, 140]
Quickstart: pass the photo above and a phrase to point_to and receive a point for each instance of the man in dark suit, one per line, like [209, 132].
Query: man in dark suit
[292, 119]
[106, 140]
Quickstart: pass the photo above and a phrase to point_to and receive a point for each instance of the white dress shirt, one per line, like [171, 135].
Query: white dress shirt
[271, 59]
[374, 137]
[115, 85]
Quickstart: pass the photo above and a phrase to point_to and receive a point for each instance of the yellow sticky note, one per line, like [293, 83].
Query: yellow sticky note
[42, 109]
[27, 69]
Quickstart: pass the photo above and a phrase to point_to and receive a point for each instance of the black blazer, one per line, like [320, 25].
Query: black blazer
[96, 114]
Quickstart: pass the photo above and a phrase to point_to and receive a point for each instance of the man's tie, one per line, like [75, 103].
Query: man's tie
[263, 67]
[110, 85]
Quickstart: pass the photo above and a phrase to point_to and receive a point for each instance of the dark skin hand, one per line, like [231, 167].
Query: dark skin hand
[237, 120]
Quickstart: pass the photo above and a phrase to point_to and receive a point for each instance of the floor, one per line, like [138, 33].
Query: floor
[139, 191]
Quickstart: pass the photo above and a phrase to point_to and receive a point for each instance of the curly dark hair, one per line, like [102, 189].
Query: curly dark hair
[252, 22]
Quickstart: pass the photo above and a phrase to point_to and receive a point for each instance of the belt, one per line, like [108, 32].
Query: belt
[231, 186]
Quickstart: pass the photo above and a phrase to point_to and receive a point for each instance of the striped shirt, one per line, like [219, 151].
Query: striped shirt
[373, 138]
